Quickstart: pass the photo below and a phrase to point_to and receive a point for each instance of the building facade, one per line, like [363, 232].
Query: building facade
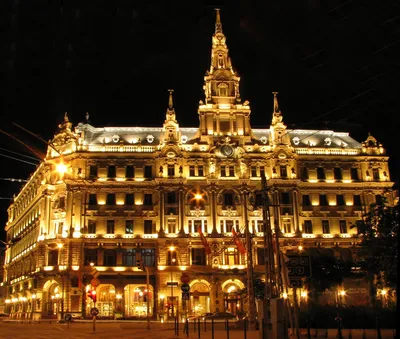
[107, 201]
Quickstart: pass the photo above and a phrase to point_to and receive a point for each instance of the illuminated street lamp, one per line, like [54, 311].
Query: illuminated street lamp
[33, 304]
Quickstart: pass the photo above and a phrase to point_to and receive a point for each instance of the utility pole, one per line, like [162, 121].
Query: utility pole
[273, 305]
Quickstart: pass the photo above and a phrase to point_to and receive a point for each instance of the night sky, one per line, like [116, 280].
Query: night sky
[335, 64]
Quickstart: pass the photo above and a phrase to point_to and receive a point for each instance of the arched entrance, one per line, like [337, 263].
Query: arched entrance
[233, 301]
[52, 298]
[136, 298]
[199, 302]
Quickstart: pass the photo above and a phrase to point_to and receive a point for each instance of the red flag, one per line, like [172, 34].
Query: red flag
[204, 240]
[238, 243]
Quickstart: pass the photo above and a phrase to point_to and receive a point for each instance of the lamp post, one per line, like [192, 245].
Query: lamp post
[33, 305]
[172, 249]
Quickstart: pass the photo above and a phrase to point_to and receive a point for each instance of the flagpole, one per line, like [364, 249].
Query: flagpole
[250, 275]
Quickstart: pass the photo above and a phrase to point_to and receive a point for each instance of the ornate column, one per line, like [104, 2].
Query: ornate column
[295, 204]
[213, 209]
[161, 204]
[181, 207]
[277, 211]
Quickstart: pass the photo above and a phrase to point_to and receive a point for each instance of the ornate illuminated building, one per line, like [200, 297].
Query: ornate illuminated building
[107, 198]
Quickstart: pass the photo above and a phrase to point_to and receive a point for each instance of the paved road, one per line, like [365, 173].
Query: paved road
[137, 330]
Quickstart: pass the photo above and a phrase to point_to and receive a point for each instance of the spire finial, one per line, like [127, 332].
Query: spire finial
[218, 24]
[276, 105]
[170, 102]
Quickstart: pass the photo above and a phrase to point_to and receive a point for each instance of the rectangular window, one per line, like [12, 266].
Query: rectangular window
[148, 172]
[342, 226]
[148, 256]
[171, 226]
[171, 170]
[304, 173]
[228, 226]
[262, 171]
[60, 228]
[354, 174]
[148, 227]
[260, 256]
[323, 201]
[231, 171]
[320, 173]
[223, 171]
[287, 225]
[92, 200]
[91, 226]
[200, 170]
[259, 200]
[337, 173]
[253, 171]
[375, 173]
[129, 226]
[129, 199]
[110, 199]
[171, 258]
[129, 257]
[110, 226]
[198, 256]
[110, 257]
[93, 171]
[171, 198]
[340, 200]
[306, 200]
[53, 258]
[191, 171]
[283, 170]
[111, 171]
[378, 199]
[90, 256]
[148, 199]
[325, 227]
[231, 256]
[308, 226]
[228, 199]
[129, 171]
[357, 200]
[285, 198]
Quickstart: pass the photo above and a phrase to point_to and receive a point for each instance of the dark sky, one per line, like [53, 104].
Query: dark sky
[336, 65]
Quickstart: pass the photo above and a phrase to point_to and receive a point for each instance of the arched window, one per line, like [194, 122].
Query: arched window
[223, 90]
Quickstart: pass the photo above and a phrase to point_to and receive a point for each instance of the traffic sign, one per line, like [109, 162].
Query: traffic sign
[185, 295]
[185, 288]
[299, 266]
[95, 282]
[297, 283]
[185, 278]
[94, 311]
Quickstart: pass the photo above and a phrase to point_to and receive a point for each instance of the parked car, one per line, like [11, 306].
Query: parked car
[3, 316]
[201, 316]
[222, 316]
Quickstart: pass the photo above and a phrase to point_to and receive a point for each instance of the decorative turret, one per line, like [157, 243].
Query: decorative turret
[222, 113]
[64, 140]
[278, 134]
[372, 146]
[171, 126]
[221, 82]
